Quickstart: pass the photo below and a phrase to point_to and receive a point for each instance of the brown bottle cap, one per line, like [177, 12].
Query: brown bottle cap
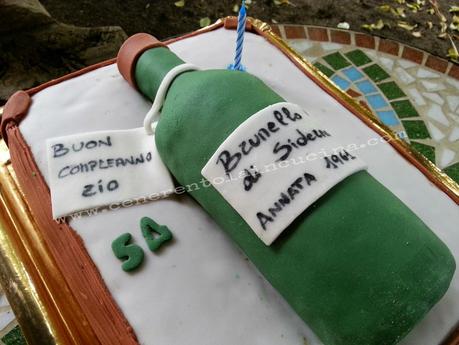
[131, 50]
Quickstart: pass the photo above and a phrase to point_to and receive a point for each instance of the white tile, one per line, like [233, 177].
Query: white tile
[436, 113]
[404, 76]
[372, 54]
[406, 63]
[388, 63]
[433, 86]
[3, 301]
[300, 45]
[331, 46]
[436, 133]
[424, 73]
[453, 82]
[416, 96]
[6, 319]
[454, 116]
[454, 135]
[453, 102]
[311, 58]
[434, 97]
[446, 157]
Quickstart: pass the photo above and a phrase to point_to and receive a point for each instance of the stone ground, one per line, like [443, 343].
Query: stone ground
[163, 19]
[38, 46]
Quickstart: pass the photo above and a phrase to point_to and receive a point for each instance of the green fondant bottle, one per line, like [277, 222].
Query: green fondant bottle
[357, 266]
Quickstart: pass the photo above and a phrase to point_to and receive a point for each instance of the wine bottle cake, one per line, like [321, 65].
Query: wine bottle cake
[350, 258]
[180, 199]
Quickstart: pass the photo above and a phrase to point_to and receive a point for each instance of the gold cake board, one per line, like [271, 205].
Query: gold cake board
[28, 272]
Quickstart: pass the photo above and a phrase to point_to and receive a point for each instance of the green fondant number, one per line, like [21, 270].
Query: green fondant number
[149, 226]
[130, 254]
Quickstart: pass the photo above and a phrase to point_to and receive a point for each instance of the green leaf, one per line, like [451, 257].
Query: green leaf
[204, 22]
[281, 2]
[180, 3]
[384, 8]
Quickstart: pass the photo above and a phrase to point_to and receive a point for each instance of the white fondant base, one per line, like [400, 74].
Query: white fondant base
[200, 289]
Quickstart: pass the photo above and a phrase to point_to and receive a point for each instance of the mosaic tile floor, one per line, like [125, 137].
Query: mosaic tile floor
[415, 101]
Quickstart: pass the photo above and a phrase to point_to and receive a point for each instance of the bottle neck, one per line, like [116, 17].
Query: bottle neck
[152, 67]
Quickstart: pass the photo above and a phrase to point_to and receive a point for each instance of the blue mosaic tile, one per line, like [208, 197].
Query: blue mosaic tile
[353, 74]
[388, 117]
[366, 87]
[376, 101]
[342, 83]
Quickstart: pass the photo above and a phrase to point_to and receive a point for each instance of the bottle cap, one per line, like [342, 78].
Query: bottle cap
[131, 50]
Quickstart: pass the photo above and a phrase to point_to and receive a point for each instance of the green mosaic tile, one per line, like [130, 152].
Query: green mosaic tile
[324, 69]
[391, 90]
[14, 337]
[404, 109]
[336, 60]
[358, 57]
[453, 172]
[416, 129]
[376, 73]
[426, 150]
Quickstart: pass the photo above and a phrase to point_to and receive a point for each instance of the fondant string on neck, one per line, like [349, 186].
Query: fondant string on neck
[153, 114]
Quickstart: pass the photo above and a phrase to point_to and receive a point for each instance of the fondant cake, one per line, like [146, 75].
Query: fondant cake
[361, 262]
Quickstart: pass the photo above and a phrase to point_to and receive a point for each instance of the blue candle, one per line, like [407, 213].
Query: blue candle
[237, 66]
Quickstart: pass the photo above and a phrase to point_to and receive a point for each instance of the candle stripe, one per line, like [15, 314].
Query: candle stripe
[240, 39]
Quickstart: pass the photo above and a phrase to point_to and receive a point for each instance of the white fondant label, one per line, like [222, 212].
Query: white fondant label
[275, 165]
[92, 170]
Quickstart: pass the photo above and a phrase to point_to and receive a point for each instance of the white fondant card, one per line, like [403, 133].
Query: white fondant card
[107, 168]
[275, 165]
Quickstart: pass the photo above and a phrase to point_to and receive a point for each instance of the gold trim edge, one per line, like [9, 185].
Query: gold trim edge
[15, 279]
